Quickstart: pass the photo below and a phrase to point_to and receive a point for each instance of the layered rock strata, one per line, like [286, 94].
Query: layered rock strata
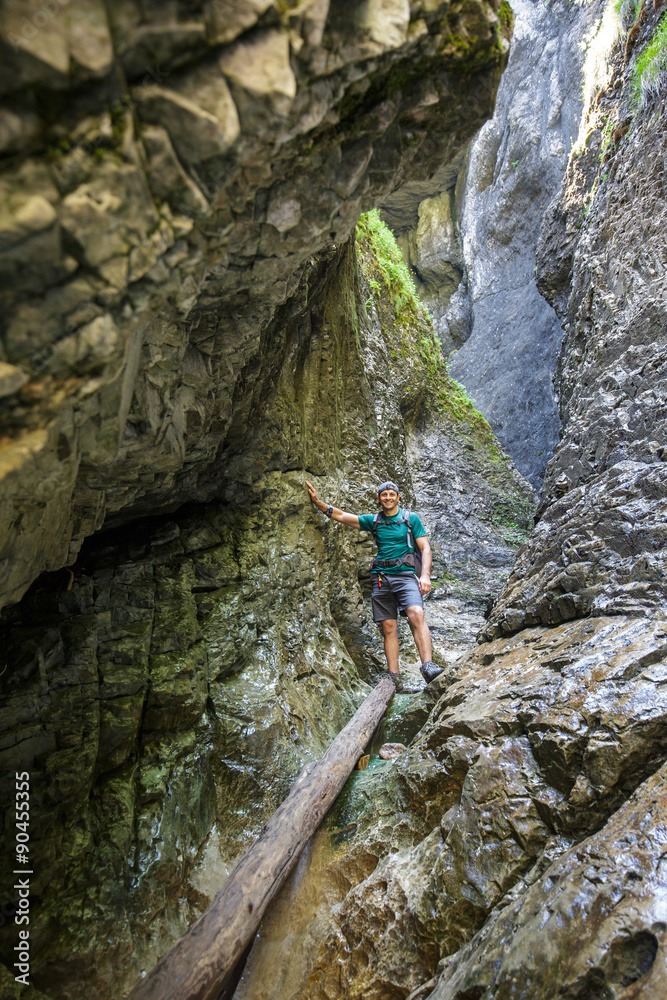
[472, 243]
[514, 850]
[600, 545]
[165, 692]
[614, 875]
[532, 743]
[183, 164]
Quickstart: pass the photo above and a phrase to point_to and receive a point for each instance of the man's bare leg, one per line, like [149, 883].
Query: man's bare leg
[390, 633]
[420, 631]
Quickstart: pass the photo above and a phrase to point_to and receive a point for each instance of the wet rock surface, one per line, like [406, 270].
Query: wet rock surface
[165, 693]
[162, 717]
[601, 534]
[593, 924]
[532, 743]
[472, 245]
[514, 849]
[183, 164]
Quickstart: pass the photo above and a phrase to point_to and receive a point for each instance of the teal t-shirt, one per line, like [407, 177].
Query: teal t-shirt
[392, 537]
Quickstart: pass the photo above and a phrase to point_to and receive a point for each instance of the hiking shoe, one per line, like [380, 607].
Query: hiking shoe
[396, 679]
[430, 671]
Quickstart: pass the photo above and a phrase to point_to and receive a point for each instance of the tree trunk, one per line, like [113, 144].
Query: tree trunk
[199, 963]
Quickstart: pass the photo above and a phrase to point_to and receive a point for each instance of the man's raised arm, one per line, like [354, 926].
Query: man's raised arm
[332, 512]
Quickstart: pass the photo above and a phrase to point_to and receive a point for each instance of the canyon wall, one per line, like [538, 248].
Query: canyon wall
[165, 692]
[599, 544]
[182, 325]
[472, 245]
[168, 170]
[514, 849]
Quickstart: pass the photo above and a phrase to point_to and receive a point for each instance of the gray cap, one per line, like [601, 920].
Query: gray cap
[388, 486]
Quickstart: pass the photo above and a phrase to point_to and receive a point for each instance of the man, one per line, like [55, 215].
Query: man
[396, 587]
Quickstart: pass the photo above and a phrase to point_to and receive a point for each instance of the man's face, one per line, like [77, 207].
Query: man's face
[388, 499]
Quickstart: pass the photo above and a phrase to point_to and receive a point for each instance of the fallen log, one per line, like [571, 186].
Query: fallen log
[198, 965]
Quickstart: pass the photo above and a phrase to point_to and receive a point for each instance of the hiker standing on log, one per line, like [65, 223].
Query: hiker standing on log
[401, 573]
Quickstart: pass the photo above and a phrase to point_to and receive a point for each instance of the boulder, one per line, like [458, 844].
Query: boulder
[195, 133]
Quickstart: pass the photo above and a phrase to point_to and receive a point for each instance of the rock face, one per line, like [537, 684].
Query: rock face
[532, 744]
[473, 244]
[567, 570]
[608, 472]
[184, 163]
[164, 698]
[434, 251]
[612, 874]
[514, 849]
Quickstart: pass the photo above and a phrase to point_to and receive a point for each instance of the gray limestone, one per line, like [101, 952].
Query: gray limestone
[532, 744]
[515, 166]
[514, 849]
[189, 161]
[472, 244]
[165, 693]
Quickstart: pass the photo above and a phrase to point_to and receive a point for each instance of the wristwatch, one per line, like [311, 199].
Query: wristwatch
[329, 510]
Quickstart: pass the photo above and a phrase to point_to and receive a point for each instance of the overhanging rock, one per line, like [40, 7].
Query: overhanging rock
[179, 176]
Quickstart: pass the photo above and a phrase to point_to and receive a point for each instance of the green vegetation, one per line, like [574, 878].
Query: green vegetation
[650, 69]
[411, 339]
[588, 204]
[649, 72]
[506, 14]
[515, 515]
[513, 512]
[118, 117]
[607, 137]
[103, 138]
[627, 11]
[397, 277]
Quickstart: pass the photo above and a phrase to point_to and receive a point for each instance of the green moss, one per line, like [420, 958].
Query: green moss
[397, 278]
[607, 137]
[515, 514]
[506, 15]
[117, 112]
[454, 400]
[650, 69]
[423, 372]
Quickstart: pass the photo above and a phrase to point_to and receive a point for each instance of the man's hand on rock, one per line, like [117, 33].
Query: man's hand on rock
[424, 585]
[313, 495]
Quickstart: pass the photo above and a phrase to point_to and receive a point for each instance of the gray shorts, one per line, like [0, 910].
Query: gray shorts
[398, 592]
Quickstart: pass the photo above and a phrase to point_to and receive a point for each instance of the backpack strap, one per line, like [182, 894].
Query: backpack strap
[413, 558]
[406, 518]
[415, 551]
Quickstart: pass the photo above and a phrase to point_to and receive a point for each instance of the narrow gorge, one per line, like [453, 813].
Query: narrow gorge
[203, 307]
